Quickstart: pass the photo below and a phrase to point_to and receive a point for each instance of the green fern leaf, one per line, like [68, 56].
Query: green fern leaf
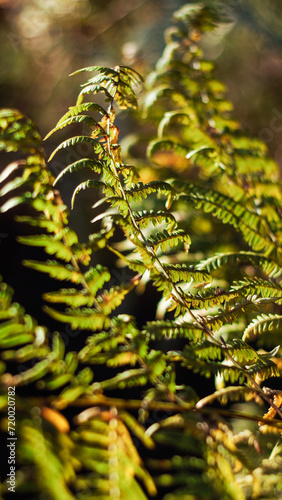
[85, 185]
[71, 142]
[94, 165]
[167, 145]
[76, 110]
[52, 245]
[112, 298]
[209, 298]
[96, 277]
[94, 89]
[258, 286]
[242, 352]
[83, 319]
[146, 217]
[165, 239]
[84, 119]
[55, 270]
[128, 378]
[227, 210]
[265, 323]
[70, 297]
[269, 267]
[159, 330]
[141, 191]
[182, 272]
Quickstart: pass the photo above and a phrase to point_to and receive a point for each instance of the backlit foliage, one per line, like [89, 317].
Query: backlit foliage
[208, 239]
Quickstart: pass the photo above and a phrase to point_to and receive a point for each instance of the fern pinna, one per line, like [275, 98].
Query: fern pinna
[218, 316]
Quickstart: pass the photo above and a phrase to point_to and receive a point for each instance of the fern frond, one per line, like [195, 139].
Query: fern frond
[209, 298]
[242, 352]
[94, 165]
[167, 145]
[164, 239]
[269, 267]
[76, 110]
[140, 191]
[51, 244]
[112, 298]
[55, 270]
[86, 185]
[84, 119]
[70, 297]
[182, 272]
[105, 448]
[145, 217]
[159, 330]
[264, 323]
[230, 314]
[258, 286]
[248, 223]
[82, 319]
[74, 140]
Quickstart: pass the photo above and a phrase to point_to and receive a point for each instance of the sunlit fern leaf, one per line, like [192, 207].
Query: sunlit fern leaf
[6, 295]
[263, 324]
[76, 110]
[156, 363]
[56, 270]
[159, 330]
[94, 89]
[146, 217]
[112, 298]
[48, 473]
[49, 225]
[263, 369]
[95, 278]
[243, 220]
[258, 286]
[51, 244]
[129, 173]
[174, 117]
[102, 342]
[102, 70]
[119, 203]
[230, 314]
[84, 119]
[91, 183]
[167, 145]
[106, 450]
[164, 239]
[54, 210]
[16, 183]
[12, 203]
[242, 352]
[162, 92]
[270, 267]
[141, 191]
[99, 240]
[69, 296]
[15, 129]
[182, 272]
[74, 140]
[129, 378]
[209, 298]
[94, 165]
